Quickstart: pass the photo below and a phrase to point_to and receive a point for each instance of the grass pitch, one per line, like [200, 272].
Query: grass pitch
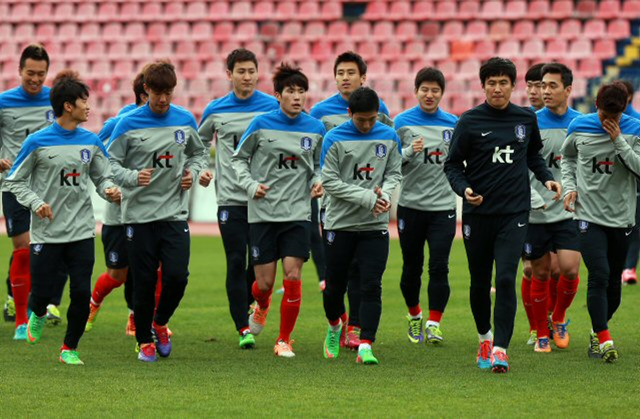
[207, 375]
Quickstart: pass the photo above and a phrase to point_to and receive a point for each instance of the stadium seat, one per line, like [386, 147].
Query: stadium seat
[579, 48]
[89, 31]
[604, 48]
[492, 10]
[96, 50]
[314, 31]
[338, 30]
[223, 31]
[399, 10]
[246, 31]
[117, 50]
[469, 69]
[46, 31]
[240, 10]
[619, 29]
[123, 69]
[484, 49]
[190, 69]
[392, 50]
[424, 10]
[438, 50]
[609, 9]
[586, 9]
[291, 31]
[594, 29]
[298, 50]
[406, 30]
[130, 12]
[201, 31]
[39, 9]
[331, 11]
[561, 9]
[321, 50]
[501, 29]
[162, 49]
[570, 29]
[461, 50]
[256, 46]
[399, 69]
[23, 32]
[196, 11]
[515, 9]
[67, 31]
[382, 31]
[73, 50]
[444, 10]
[343, 46]
[264, 10]
[140, 50]
[453, 29]
[206, 50]
[100, 70]
[532, 49]
[219, 11]
[631, 10]
[360, 31]
[376, 10]
[589, 67]
[413, 50]
[107, 12]
[368, 49]
[384, 86]
[538, 9]
[156, 31]
[133, 31]
[112, 31]
[8, 49]
[376, 68]
[547, 29]
[468, 10]
[430, 30]
[509, 48]
[268, 30]
[285, 11]
[557, 48]
[173, 11]
[185, 50]
[152, 11]
[20, 12]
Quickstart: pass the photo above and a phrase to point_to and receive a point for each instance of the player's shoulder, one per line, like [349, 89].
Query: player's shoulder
[182, 115]
[384, 131]
[587, 123]
[327, 106]
[629, 125]
[312, 124]
[16, 97]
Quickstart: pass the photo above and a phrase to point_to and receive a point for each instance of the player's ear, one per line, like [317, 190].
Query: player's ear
[228, 74]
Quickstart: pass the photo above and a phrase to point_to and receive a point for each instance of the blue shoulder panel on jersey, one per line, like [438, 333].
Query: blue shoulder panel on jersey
[127, 108]
[383, 108]
[143, 117]
[417, 117]
[629, 125]
[590, 123]
[230, 103]
[18, 98]
[333, 105]
[632, 112]
[107, 128]
[549, 120]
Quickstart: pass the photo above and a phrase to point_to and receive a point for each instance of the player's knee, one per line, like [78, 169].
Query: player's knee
[371, 291]
[527, 272]
[119, 275]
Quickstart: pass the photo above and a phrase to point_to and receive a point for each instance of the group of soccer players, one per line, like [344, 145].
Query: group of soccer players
[546, 187]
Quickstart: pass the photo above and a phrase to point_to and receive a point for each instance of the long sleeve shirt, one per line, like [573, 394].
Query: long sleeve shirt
[21, 114]
[601, 171]
[169, 144]
[424, 186]
[492, 151]
[282, 153]
[55, 166]
[553, 132]
[226, 119]
[353, 164]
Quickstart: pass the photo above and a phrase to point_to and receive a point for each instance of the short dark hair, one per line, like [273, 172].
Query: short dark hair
[534, 73]
[67, 87]
[160, 75]
[429, 74]
[612, 97]
[497, 66]
[138, 86]
[364, 99]
[239, 55]
[36, 52]
[629, 86]
[350, 57]
[287, 75]
[566, 75]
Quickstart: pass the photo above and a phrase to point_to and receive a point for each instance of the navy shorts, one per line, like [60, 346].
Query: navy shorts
[273, 241]
[544, 238]
[17, 218]
[115, 248]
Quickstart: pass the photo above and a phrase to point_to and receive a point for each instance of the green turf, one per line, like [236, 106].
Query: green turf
[207, 375]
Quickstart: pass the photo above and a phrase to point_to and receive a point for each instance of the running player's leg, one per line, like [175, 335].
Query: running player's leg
[440, 234]
[629, 275]
[618, 247]
[554, 278]
[354, 296]
[43, 259]
[130, 330]
[412, 233]
[9, 309]
[317, 246]
[527, 302]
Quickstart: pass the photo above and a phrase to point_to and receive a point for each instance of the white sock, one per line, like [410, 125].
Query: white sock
[432, 323]
[416, 317]
[486, 336]
[498, 349]
[364, 346]
[130, 311]
[336, 327]
[604, 343]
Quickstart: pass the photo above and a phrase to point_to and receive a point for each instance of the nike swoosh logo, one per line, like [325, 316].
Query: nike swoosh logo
[535, 300]
[628, 233]
[348, 151]
[293, 301]
[144, 139]
[384, 233]
[484, 134]
[186, 230]
[224, 123]
[15, 117]
[451, 215]
[272, 140]
[52, 157]
[522, 225]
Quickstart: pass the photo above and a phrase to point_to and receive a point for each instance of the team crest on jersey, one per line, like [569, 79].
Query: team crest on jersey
[49, 116]
[381, 151]
[400, 225]
[224, 216]
[85, 156]
[331, 237]
[521, 132]
[466, 231]
[255, 252]
[306, 143]
[113, 257]
[447, 135]
[583, 226]
[180, 137]
[129, 233]
[37, 248]
[527, 249]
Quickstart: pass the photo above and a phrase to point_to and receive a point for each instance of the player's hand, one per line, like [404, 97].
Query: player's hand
[187, 180]
[205, 178]
[113, 194]
[612, 128]
[570, 201]
[261, 192]
[472, 198]
[144, 177]
[5, 164]
[418, 145]
[381, 207]
[317, 190]
[554, 187]
[45, 212]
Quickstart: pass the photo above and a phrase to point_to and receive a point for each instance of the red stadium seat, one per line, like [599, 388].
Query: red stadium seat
[331, 11]
[264, 10]
[219, 11]
[604, 48]
[631, 9]
[533, 49]
[100, 70]
[384, 86]
[191, 69]
[185, 50]
[201, 31]
[423, 10]
[468, 10]
[376, 10]
[96, 50]
[133, 31]
[23, 32]
[67, 31]
[89, 31]
[343, 46]
[107, 12]
[41, 9]
[129, 11]
[461, 50]
[586, 9]
[509, 48]
[476, 29]
[547, 29]
[8, 49]
[430, 30]
[580, 48]
[298, 50]
[338, 30]
[196, 11]
[587, 68]
[515, 9]
[580, 84]
[445, 10]
[162, 49]
[123, 69]
[619, 29]
[452, 29]
[240, 10]
[438, 50]
[173, 11]
[570, 29]
[594, 29]
[308, 10]
[206, 50]
[469, 69]
[73, 50]
[152, 11]
[538, 9]
[501, 29]
[400, 10]
[291, 31]
[156, 31]
[360, 30]
[392, 50]
[376, 68]
[368, 49]
[178, 31]
[321, 50]
[20, 12]
[461, 104]
[314, 31]
[112, 31]
[406, 30]
[285, 11]
[561, 9]
[140, 50]
[492, 10]
[46, 31]
[557, 48]
[117, 50]
[414, 50]
[382, 31]
[610, 9]
[484, 49]
[269, 30]
[223, 31]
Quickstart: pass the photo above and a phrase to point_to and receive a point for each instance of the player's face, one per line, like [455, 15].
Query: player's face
[554, 94]
[429, 95]
[364, 121]
[348, 78]
[603, 116]
[497, 90]
[80, 110]
[292, 100]
[244, 78]
[534, 94]
[159, 101]
[33, 75]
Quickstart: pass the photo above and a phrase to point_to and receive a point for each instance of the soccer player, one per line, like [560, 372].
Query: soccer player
[350, 73]
[361, 162]
[600, 165]
[51, 177]
[553, 230]
[227, 119]
[629, 276]
[113, 234]
[533, 78]
[277, 163]
[494, 145]
[23, 111]
[158, 145]
[427, 205]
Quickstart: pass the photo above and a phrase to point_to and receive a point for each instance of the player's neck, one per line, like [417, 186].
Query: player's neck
[243, 95]
[345, 96]
[67, 122]
[560, 110]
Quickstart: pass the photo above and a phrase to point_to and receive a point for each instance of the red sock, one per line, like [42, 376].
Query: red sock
[158, 287]
[64, 347]
[553, 294]
[539, 292]
[20, 277]
[435, 316]
[289, 308]
[604, 336]
[345, 318]
[104, 285]
[567, 290]
[262, 298]
[334, 322]
[244, 329]
[525, 290]
[365, 342]
[415, 310]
